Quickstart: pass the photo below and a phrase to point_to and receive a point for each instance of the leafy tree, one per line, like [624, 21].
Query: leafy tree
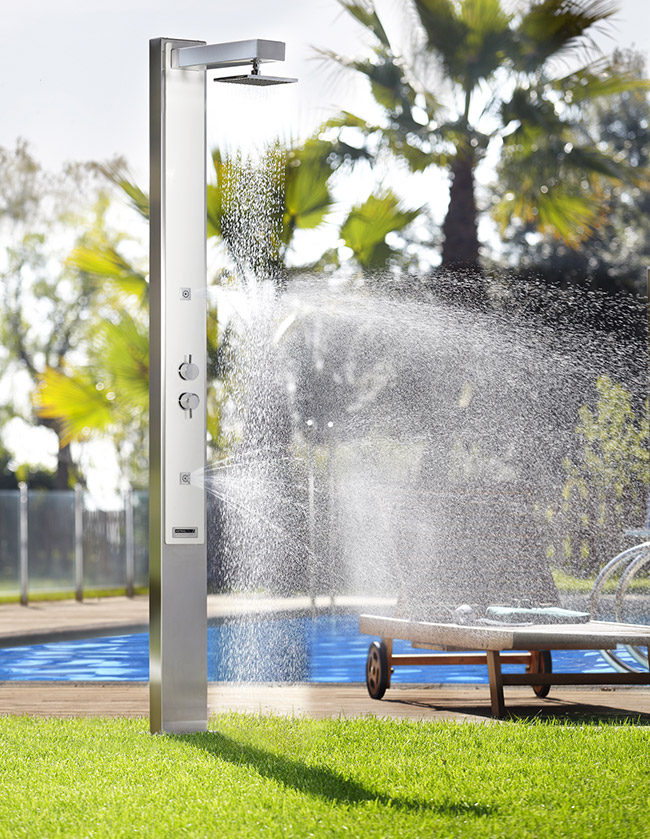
[478, 79]
[46, 306]
[606, 486]
[107, 392]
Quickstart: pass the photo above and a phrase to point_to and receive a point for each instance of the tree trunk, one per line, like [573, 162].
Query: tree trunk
[64, 458]
[64, 462]
[460, 249]
[460, 246]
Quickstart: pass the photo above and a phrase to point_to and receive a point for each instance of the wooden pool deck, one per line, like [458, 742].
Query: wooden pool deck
[67, 619]
[445, 702]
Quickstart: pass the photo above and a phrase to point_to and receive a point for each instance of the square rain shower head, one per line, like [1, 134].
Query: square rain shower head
[255, 79]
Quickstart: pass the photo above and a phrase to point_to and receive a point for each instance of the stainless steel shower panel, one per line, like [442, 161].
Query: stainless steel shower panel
[177, 556]
[177, 372]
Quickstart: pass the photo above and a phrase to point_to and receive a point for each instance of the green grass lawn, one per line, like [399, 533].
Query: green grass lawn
[276, 777]
[566, 582]
[68, 594]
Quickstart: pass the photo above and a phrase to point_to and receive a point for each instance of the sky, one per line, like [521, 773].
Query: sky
[74, 73]
[74, 84]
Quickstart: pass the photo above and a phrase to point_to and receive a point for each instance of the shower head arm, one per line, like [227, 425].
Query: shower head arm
[232, 54]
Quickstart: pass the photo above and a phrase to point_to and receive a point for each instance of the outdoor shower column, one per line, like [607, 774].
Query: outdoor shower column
[177, 367]
[177, 538]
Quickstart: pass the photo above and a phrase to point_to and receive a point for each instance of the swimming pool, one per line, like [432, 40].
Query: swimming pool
[327, 648]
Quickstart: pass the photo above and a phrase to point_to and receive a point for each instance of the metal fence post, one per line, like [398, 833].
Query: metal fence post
[129, 546]
[78, 543]
[24, 544]
[311, 511]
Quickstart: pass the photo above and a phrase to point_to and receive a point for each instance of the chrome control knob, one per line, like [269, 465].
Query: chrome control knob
[189, 401]
[188, 371]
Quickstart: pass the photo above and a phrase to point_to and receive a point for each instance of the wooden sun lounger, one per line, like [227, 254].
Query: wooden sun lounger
[490, 645]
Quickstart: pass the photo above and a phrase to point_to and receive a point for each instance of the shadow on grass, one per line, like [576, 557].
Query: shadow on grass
[581, 715]
[318, 781]
[553, 709]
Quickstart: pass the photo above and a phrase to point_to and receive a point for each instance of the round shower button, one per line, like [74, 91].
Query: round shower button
[188, 371]
[188, 401]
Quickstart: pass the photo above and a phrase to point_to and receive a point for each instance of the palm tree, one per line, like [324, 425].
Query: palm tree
[502, 88]
[615, 255]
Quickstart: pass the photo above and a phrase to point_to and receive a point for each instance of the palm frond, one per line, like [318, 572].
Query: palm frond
[531, 111]
[365, 12]
[470, 40]
[599, 79]
[215, 210]
[549, 28]
[591, 160]
[366, 227]
[345, 119]
[103, 263]
[308, 199]
[556, 184]
[564, 214]
[112, 387]
[221, 193]
[75, 402]
[446, 32]
[122, 350]
[117, 173]
[417, 157]
[488, 38]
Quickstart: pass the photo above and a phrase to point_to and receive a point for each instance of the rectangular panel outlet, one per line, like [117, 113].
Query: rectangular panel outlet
[185, 532]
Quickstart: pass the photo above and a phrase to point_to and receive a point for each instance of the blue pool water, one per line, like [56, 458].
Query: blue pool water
[299, 649]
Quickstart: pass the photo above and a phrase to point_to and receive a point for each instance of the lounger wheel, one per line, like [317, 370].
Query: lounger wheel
[377, 669]
[540, 662]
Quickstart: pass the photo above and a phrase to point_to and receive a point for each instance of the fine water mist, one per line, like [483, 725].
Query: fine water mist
[404, 450]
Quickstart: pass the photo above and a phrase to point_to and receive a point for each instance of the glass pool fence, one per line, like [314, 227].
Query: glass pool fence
[54, 542]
